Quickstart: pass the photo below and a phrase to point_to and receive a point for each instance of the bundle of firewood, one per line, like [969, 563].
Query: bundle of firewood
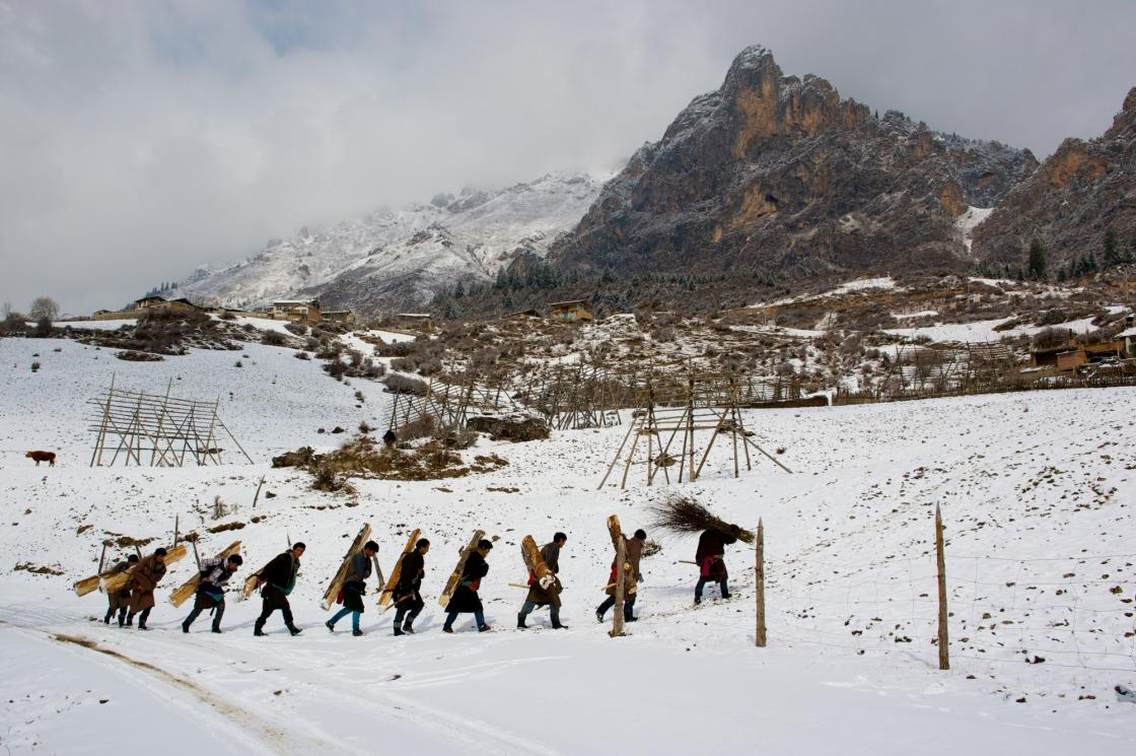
[683, 514]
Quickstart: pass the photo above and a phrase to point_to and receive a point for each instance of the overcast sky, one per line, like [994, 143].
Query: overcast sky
[139, 139]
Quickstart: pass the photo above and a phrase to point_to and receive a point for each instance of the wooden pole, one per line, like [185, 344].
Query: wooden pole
[177, 528]
[257, 494]
[196, 556]
[102, 558]
[759, 592]
[620, 569]
[941, 561]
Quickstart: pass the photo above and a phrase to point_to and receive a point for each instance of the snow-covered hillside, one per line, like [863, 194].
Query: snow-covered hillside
[400, 257]
[1035, 489]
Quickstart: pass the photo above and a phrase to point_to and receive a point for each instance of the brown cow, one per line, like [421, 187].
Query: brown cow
[42, 456]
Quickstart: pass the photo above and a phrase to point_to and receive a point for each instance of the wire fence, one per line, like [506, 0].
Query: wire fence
[1066, 611]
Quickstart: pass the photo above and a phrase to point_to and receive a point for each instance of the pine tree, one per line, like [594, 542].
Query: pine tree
[1037, 263]
[1112, 254]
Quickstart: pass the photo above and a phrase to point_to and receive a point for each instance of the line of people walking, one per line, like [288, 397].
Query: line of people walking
[278, 578]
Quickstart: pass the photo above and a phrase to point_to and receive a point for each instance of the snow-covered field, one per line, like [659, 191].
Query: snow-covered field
[1036, 494]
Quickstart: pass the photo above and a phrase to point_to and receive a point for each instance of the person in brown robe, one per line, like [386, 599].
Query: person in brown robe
[143, 580]
[546, 595]
[710, 558]
[631, 577]
[119, 601]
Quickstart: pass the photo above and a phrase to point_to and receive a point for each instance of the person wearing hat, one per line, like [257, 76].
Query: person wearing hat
[407, 594]
[279, 578]
[215, 573]
[465, 598]
[119, 601]
[143, 580]
[631, 577]
[355, 588]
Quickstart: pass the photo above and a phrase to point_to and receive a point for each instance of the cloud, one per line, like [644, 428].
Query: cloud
[138, 139]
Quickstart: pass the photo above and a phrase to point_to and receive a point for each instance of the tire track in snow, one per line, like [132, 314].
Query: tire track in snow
[279, 740]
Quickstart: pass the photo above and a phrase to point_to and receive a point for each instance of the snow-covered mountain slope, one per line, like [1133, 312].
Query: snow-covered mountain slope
[1039, 569]
[399, 258]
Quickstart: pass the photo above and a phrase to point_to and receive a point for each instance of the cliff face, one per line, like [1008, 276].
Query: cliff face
[776, 173]
[1082, 191]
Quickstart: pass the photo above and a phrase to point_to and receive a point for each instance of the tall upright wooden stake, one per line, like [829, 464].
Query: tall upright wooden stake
[941, 561]
[759, 591]
[620, 569]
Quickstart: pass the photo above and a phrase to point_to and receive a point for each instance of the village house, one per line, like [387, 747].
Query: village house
[296, 310]
[161, 303]
[421, 320]
[149, 303]
[1128, 337]
[570, 310]
[343, 317]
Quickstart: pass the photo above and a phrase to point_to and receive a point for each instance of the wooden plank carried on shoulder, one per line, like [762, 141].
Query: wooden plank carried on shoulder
[118, 581]
[179, 595]
[388, 589]
[336, 584]
[252, 582]
[455, 576]
[534, 561]
[89, 584]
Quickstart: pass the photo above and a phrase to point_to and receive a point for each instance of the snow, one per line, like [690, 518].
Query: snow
[912, 315]
[862, 284]
[265, 324]
[970, 220]
[983, 330]
[847, 539]
[468, 238]
[95, 325]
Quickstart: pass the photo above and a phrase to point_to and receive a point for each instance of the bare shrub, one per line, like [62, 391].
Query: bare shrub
[273, 338]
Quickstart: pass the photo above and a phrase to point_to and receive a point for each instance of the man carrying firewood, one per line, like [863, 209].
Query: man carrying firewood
[119, 601]
[143, 580]
[355, 588]
[215, 573]
[407, 594]
[279, 578]
[549, 594]
[465, 598]
[631, 577]
[710, 558]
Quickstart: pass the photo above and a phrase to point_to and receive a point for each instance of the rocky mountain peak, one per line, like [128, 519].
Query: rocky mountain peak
[1125, 120]
[778, 175]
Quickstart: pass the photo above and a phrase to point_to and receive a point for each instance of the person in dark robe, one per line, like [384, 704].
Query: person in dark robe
[279, 578]
[547, 594]
[710, 558]
[465, 598]
[355, 588]
[118, 602]
[407, 593]
[143, 580]
[631, 577]
[215, 574]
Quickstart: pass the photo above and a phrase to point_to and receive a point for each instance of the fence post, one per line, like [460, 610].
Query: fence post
[940, 558]
[759, 593]
[620, 578]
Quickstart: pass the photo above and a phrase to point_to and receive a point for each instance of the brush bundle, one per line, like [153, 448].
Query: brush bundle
[683, 514]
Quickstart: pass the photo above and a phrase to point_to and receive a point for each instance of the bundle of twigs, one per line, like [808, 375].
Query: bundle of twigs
[683, 514]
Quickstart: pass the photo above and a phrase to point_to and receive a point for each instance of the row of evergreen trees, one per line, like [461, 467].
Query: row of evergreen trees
[1037, 266]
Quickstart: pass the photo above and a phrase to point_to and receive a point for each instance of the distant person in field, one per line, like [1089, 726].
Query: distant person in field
[119, 601]
[279, 578]
[407, 595]
[710, 558]
[631, 577]
[465, 598]
[215, 574]
[143, 580]
[549, 594]
[355, 588]
[42, 456]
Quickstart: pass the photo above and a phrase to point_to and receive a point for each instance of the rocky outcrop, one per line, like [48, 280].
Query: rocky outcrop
[1080, 193]
[515, 428]
[778, 174]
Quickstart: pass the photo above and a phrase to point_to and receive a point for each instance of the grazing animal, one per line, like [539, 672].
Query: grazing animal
[42, 456]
